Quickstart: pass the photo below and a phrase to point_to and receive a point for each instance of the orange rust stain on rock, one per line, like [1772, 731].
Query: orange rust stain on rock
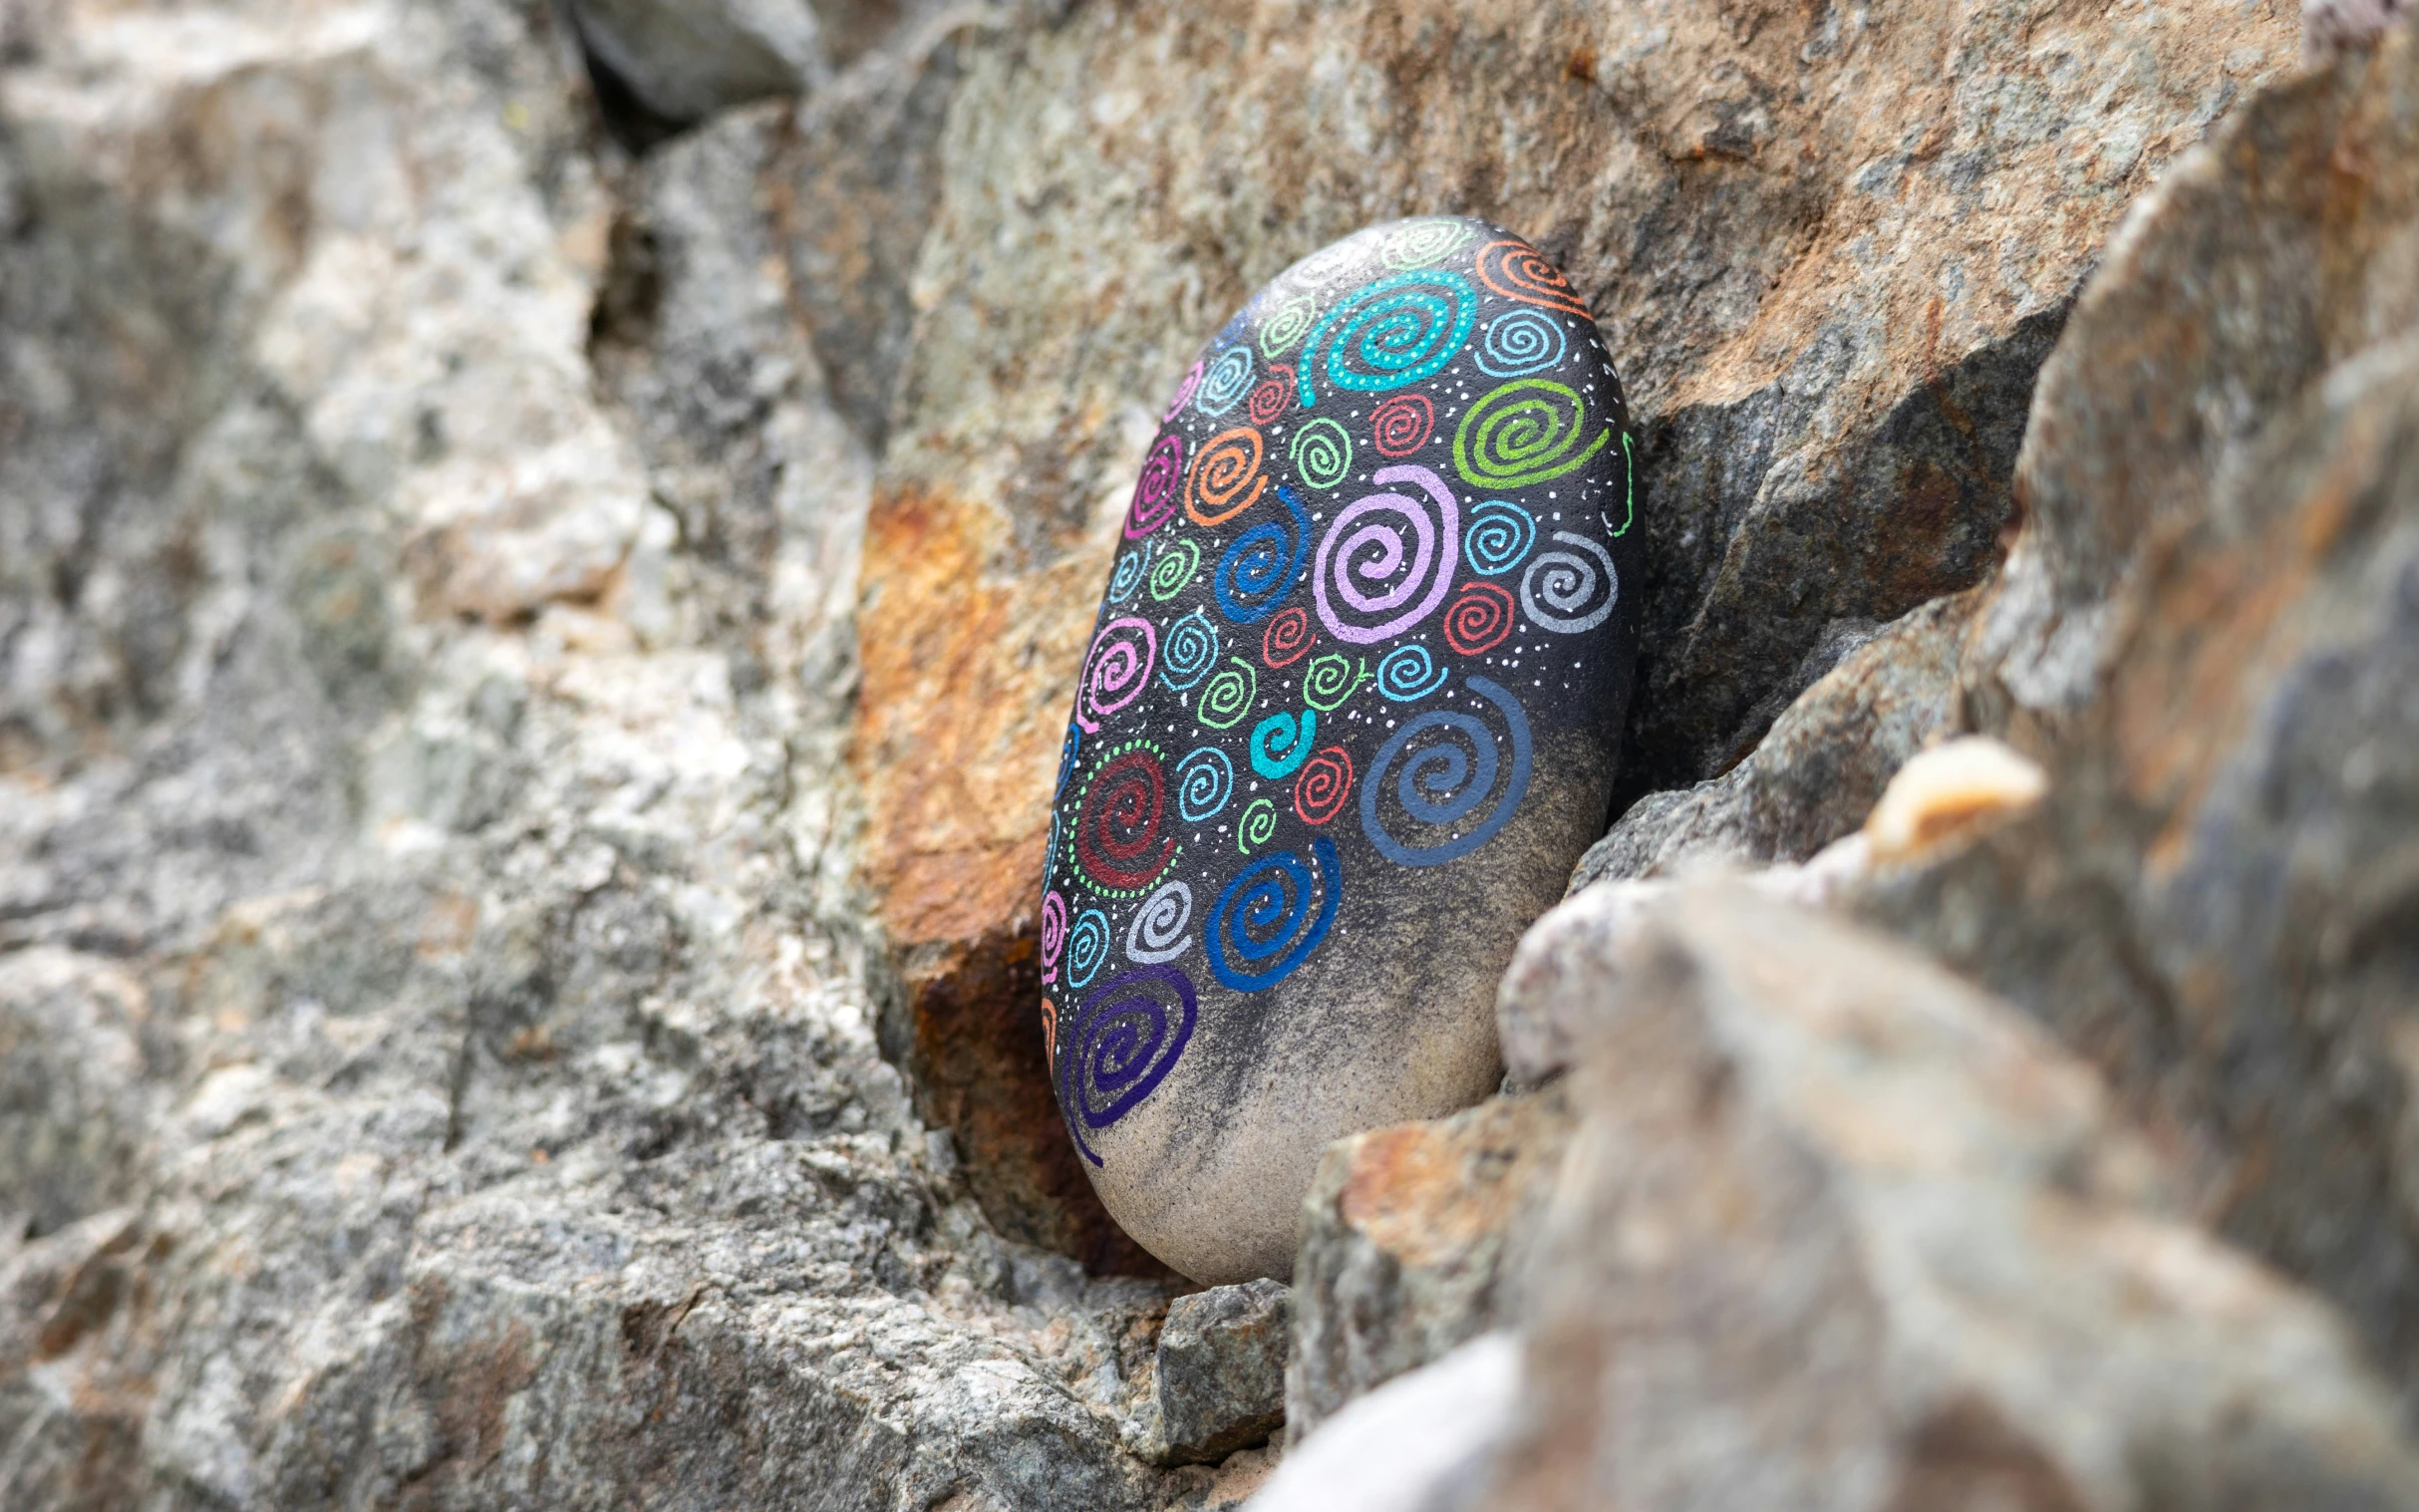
[1411, 1191]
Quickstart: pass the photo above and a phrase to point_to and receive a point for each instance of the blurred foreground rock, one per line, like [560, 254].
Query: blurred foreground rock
[1837, 1230]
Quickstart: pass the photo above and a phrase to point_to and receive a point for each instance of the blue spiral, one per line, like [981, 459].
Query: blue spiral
[1066, 757]
[1128, 574]
[1408, 674]
[1189, 652]
[1521, 343]
[1261, 565]
[1499, 534]
[1266, 914]
[1120, 1042]
[1228, 379]
[1086, 946]
[1205, 779]
[1280, 743]
[1395, 331]
[1442, 784]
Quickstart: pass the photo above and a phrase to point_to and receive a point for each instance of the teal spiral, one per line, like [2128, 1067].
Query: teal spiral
[1395, 331]
[1499, 534]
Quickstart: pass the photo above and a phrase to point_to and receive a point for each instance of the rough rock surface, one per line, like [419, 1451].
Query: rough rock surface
[1828, 247]
[438, 1043]
[1412, 1239]
[1218, 1381]
[1836, 1229]
[2206, 637]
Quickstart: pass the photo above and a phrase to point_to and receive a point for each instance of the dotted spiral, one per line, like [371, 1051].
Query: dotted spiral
[1116, 669]
[1443, 783]
[1226, 478]
[1228, 379]
[1520, 343]
[1156, 931]
[1478, 619]
[1388, 334]
[1192, 650]
[1287, 636]
[1205, 779]
[1330, 678]
[1386, 551]
[1408, 674]
[1325, 785]
[1159, 489]
[1570, 591]
[1229, 695]
[1120, 1042]
[1272, 915]
[1498, 536]
[1526, 431]
[1172, 569]
[1122, 844]
[1322, 452]
[1400, 427]
[1519, 271]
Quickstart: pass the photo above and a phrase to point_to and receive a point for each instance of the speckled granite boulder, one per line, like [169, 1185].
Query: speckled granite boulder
[1346, 719]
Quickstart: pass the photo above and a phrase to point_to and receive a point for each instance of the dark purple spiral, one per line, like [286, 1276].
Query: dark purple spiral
[1123, 1040]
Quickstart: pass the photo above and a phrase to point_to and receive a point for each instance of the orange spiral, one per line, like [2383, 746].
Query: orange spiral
[1226, 478]
[1517, 270]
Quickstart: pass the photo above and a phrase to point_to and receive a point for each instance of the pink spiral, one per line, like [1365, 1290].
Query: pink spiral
[1054, 934]
[1158, 492]
[1115, 670]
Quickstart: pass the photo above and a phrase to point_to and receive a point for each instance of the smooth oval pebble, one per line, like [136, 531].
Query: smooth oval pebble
[1347, 719]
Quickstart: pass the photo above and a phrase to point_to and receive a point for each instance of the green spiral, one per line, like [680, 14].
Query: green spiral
[1323, 452]
[1282, 329]
[1258, 824]
[1330, 678]
[1230, 695]
[1174, 568]
[1423, 242]
[1524, 431]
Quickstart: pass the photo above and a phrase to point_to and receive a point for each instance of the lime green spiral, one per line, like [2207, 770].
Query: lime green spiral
[1174, 568]
[1330, 678]
[1524, 431]
[1258, 824]
[1323, 452]
[1230, 695]
[1291, 321]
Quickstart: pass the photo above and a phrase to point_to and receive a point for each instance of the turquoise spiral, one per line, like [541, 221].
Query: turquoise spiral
[1395, 331]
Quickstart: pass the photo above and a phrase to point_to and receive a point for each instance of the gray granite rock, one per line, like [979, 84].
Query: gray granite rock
[1838, 1230]
[1219, 1378]
[2204, 636]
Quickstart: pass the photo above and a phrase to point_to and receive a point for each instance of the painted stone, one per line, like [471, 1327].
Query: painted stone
[1347, 719]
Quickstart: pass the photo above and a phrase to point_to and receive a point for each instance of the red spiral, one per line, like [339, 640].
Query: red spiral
[1478, 619]
[1118, 836]
[1270, 399]
[1286, 637]
[1325, 784]
[1402, 424]
[1517, 270]
[1226, 478]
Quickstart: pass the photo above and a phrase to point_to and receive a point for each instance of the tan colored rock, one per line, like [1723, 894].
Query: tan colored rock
[2204, 636]
[1950, 791]
[1839, 1231]
[1828, 250]
[1412, 1242]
